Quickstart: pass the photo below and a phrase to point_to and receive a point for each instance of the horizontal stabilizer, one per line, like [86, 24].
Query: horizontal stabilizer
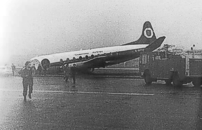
[154, 45]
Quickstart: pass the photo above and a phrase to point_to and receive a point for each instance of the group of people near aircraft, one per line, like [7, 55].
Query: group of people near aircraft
[28, 71]
[69, 73]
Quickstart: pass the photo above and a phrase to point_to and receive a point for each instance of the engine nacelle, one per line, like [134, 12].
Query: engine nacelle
[45, 63]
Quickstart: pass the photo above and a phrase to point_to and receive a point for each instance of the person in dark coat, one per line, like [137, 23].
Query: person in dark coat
[73, 74]
[26, 74]
[66, 73]
[13, 68]
[39, 69]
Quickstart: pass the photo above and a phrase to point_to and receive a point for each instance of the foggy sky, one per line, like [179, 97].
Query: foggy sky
[35, 27]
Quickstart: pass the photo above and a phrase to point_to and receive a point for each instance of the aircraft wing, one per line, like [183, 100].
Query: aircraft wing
[91, 63]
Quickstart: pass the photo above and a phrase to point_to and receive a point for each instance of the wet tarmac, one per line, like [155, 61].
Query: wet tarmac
[99, 103]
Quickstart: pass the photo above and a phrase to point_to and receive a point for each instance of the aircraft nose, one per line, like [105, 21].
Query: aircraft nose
[34, 63]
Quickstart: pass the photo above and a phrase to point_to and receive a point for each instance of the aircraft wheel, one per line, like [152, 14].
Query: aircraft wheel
[168, 82]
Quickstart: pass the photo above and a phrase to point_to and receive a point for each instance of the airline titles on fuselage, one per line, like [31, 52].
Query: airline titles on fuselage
[81, 54]
[97, 52]
[94, 52]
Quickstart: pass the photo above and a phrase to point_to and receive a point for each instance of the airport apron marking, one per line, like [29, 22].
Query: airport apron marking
[134, 94]
[83, 92]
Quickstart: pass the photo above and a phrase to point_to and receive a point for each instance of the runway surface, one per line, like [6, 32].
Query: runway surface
[99, 103]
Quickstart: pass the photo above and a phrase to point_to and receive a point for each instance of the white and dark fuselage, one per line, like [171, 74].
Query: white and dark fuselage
[107, 56]
[101, 57]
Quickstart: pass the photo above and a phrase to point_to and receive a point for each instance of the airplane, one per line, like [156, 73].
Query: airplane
[102, 57]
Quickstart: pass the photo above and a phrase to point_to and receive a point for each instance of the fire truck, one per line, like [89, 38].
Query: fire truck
[176, 69]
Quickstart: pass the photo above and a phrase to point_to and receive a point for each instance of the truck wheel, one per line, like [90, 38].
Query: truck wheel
[147, 80]
[196, 82]
[168, 82]
[176, 79]
[147, 77]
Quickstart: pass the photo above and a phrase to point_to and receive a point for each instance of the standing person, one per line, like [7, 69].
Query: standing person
[26, 74]
[66, 73]
[13, 68]
[39, 70]
[44, 71]
[73, 74]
